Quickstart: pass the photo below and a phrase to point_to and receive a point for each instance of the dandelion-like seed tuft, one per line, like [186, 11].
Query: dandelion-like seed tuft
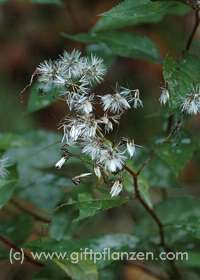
[75, 77]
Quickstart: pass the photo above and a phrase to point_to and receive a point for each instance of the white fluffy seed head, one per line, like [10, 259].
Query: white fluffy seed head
[130, 145]
[75, 76]
[97, 171]
[60, 163]
[164, 97]
[191, 102]
[112, 160]
[116, 188]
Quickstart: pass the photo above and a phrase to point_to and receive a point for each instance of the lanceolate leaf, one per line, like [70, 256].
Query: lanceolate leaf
[81, 270]
[61, 223]
[180, 76]
[40, 99]
[8, 186]
[122, 43]
[89, 207]
[105, 243]
[55, 2]
[172, 212]
[176, 154]
[134, 12]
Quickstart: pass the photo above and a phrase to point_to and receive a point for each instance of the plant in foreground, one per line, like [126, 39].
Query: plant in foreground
[74, 77]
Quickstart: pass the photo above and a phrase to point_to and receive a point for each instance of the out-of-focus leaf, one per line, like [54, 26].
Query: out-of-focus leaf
[193, 260]
[134, 12]
[55, 2]
[22, 225]
[171, 212]
[82, 270]
[49, 272]
[192, 3]
[89, 207]
[8, 186]
[144, 190]
[182, 207]
[110, 273]
[40, 99]
[112, 241]
[190, 225]
[34, 162]
[159, 174]
[61, 223]
[101, 244]
[11, 140]
[175, 154]
[122, 43]
[181, 76]
[103, 51]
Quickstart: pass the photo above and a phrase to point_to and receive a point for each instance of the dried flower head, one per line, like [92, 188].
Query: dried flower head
[116, 188]
[75, 76]
[164, 96]
[191, 102]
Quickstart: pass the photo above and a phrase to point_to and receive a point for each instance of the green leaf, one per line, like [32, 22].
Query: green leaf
[193, 260]
[122, 43]
[190, 225]
[89, 207]
[40, 98]
[158, 174]
[83, 270]
[55, 2]
[144, 190]
[171, 212]
[180, 76]
[11, 140]
[103, 51]
[61, 223]
[113, 241]
[176, 154]
[101, 244]
[20, 224]
[8, 186]
[35, 162]
[50, 272]
[7, 189]
[183, 207]
[134, 12]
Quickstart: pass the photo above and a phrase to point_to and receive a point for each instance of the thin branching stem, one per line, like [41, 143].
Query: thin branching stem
[10, 245]
[193, 32]
[22, 207]
[152, 213]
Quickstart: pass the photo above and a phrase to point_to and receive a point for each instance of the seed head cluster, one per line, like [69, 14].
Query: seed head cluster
[189, 104]
[75, 77]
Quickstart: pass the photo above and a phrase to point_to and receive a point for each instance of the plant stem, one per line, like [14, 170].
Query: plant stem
[10, 245]
[191, 37]
[154, 216]
[29, 211]
[150, 211]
